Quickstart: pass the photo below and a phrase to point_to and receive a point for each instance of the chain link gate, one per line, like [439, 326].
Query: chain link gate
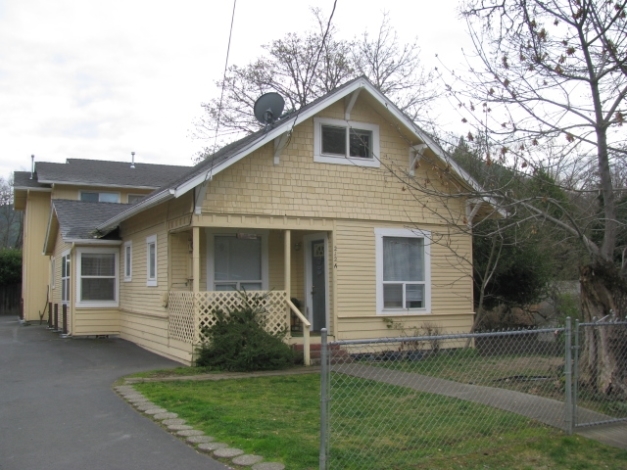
[592, 406]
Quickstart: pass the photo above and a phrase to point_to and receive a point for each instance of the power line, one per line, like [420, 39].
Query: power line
[226, 64]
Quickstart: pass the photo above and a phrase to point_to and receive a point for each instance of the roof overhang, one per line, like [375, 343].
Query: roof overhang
[96, 185]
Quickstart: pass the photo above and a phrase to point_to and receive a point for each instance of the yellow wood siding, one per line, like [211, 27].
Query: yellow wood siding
[300, 187]
[35, 267]
[95, 321]
[143, 309]
[151, 333]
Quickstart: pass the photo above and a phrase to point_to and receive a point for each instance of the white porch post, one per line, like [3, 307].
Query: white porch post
[196, 259]
[288, 262]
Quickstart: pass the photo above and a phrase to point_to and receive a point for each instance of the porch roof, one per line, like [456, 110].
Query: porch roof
[75, 220]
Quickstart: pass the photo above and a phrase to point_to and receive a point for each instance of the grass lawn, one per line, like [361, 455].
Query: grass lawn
[278, 417]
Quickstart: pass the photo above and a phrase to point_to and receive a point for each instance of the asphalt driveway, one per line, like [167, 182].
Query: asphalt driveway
[58, 410]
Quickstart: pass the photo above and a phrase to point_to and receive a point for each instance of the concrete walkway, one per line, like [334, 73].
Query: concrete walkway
[544, 410]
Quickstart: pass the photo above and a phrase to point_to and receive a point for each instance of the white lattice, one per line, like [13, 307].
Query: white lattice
[273, 304]
[181, 316]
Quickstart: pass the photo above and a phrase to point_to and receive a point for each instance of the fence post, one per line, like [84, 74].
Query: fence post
[575, 373]
[324, 375]
[568, 370]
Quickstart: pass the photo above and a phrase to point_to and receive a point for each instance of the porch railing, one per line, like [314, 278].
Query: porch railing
[191, 314]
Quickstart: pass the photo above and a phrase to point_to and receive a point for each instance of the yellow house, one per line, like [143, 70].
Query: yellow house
[110, 183]
[319, 212]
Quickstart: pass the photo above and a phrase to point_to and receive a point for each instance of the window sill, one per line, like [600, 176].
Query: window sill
[150, 283]
[365, 162]
[404, 312]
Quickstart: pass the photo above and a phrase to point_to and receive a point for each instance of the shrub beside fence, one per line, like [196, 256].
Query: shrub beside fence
[394, 402]
[10, 295]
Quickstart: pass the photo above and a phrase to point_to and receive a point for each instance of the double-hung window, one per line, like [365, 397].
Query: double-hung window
[97, 273]
[346, 142]
[403, 271]
[237, 262]
[151, 261]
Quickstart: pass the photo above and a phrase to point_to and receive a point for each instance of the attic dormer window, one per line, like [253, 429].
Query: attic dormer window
[346, 142]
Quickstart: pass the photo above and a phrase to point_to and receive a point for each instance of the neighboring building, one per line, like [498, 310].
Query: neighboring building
[112, 183]
[305, 209]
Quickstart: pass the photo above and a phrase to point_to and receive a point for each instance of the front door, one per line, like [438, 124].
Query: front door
[317, 284]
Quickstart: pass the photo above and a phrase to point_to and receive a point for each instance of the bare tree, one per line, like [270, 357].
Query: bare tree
[10, 220]
[303, 67]
[550, 89]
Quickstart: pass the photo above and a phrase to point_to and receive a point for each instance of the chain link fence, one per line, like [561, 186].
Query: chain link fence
[397, 402]
[599, 380]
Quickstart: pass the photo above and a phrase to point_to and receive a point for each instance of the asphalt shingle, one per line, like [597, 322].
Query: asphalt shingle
[108, 173]
[77, 219]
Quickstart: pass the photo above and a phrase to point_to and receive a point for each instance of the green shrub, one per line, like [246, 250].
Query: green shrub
[10, 266]
[238, 341]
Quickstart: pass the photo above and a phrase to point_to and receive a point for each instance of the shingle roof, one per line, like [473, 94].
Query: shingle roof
[108, 173]
[22, 179]
[77, 219]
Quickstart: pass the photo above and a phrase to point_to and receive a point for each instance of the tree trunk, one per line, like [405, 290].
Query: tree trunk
[603, 363]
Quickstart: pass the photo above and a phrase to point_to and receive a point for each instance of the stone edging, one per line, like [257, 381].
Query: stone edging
[193, 437]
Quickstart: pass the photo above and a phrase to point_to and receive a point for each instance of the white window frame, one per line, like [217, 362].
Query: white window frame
[66, 265]
[380, 233]
[211, 234]
[99, 193]
[116, 271]
[128, 263]
[151, 281]
[320, 157]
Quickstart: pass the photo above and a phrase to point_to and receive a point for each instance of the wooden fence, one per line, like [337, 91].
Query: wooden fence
[10, 296]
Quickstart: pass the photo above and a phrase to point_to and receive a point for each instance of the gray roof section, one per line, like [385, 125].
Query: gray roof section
[77, 219]
[22, 179]
[107, 173]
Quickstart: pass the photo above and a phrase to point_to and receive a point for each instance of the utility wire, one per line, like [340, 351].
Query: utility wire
[226, 64]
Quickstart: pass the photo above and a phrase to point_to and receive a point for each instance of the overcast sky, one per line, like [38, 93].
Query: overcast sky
[86, 79]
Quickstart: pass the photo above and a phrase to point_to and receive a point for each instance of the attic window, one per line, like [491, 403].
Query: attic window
[346, 142]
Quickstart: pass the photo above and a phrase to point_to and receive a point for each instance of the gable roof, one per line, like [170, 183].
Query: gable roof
[76, 221]
[234, 152]
[103, 173]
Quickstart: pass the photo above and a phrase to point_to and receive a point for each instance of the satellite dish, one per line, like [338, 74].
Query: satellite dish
[268, 107]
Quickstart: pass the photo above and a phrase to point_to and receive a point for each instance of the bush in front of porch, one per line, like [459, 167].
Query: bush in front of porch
[238, 341]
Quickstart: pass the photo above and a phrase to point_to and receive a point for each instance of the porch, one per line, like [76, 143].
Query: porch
[191, 313]
[285, 272]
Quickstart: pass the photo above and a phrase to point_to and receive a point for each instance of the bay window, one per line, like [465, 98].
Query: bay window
[97, 277]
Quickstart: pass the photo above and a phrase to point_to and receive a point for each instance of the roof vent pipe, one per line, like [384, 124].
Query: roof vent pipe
[32, 166]
[132, 159]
